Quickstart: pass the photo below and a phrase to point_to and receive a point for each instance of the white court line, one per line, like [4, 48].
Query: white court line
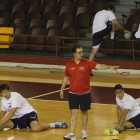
[47, 93]
[61, 101]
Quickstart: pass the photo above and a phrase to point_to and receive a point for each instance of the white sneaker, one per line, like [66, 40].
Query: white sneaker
[70, 137]
[84, 134]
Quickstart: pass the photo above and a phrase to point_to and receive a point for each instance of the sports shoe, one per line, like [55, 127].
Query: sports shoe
[110, 132]
[114, 39]
[60, 124]
[70, 137]
[84, 134]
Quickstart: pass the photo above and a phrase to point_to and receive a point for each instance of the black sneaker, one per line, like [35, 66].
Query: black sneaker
[114, 39]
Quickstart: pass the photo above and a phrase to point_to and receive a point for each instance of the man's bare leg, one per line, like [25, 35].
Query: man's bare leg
[93, 53]
[73, 119]
[84, 115]
[39, 127]
[126, 124]
[35, 126]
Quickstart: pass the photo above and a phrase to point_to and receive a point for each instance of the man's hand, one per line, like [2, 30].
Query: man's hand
[126, 31]
[61, 94]
[119, 128]
[114, 67]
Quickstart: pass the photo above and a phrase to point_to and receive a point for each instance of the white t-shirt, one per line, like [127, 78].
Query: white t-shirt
[137, 34]
[128, 102]
[100, 20]
[16, 100]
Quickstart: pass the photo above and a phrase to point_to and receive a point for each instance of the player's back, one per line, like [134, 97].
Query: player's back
[101, 18]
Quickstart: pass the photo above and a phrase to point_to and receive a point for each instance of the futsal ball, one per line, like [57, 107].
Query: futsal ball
[127, 35]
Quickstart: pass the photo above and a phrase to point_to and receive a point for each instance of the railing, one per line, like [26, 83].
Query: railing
[57, 45]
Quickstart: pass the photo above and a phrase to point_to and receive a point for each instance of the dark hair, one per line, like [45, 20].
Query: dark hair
[74, 49]
[118, 86]
[111, 7]
[4, 87]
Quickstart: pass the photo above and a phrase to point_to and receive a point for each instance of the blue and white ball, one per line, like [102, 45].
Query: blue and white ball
[127, 35]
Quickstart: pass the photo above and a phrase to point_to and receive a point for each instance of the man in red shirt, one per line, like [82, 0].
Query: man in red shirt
[78, 71]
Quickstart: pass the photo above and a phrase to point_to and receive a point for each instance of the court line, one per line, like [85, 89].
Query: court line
[47, 93]
[62, 101]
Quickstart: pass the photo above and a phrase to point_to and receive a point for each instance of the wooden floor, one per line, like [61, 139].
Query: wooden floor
[52, 76]
[100, 116]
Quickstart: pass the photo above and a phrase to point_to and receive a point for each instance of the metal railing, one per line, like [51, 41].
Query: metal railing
[57, 45]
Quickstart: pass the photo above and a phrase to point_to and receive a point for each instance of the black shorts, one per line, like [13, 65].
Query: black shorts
[138, 39]
[136, 121]
[83, 100]
[98, 36]
[24, 121]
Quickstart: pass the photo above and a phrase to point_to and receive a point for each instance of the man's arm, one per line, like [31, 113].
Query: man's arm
[119, 112]
[123, 116]
[121, 120]
[119, 25]
[2, 114]
[9, 116]
[64, 83]
[104, 67]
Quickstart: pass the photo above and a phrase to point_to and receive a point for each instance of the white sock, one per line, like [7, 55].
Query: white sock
[112, 35]
[71, 133]
[52, 125]
[84, 131]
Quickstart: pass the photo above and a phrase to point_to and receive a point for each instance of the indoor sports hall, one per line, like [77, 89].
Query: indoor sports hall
[36, 38]
[41, 87]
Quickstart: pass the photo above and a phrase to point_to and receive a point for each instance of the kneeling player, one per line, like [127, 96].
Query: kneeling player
[25, 115]
[128, 108]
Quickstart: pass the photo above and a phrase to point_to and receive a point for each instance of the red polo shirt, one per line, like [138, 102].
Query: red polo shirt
[79, 75]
